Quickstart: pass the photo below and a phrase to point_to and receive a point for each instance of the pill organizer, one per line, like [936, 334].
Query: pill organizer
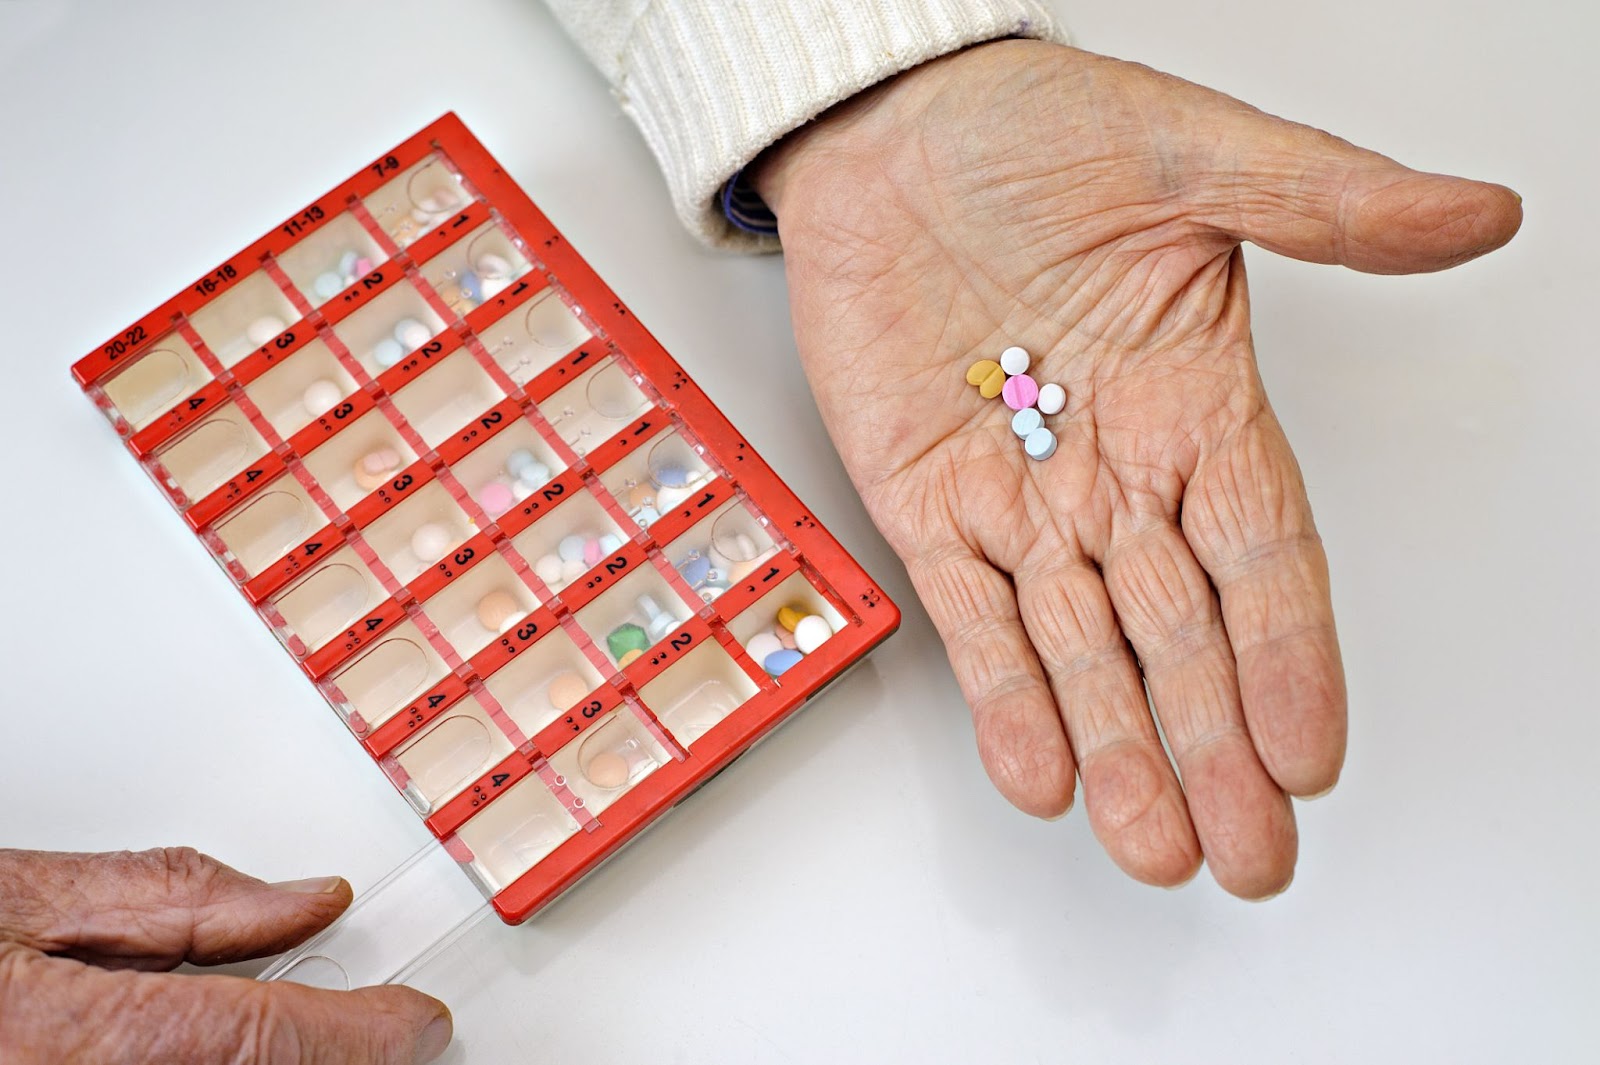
[546, 584]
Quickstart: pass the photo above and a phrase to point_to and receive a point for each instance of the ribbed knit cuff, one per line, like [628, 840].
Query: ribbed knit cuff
[713, 84]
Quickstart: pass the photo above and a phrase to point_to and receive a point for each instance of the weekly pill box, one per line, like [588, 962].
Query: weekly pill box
[546, 584]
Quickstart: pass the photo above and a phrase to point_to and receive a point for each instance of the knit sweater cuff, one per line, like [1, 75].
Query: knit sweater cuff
[712, 85]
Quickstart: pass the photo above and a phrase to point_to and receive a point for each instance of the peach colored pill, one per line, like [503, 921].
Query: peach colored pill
[497, 608]
[629, 657]
[979, 371]
[566, 690]
[1020, 392]
[607, 770]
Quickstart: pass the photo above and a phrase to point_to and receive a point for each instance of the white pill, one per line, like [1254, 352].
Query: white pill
[1052, 398]
[1014, 360]
[571, 571]
[763, 644]
[811, 633]
[430, 541]
[328, 285]
[387, 352]
[491, 265]
[320, 395]
[411, 333]
[264, 329]
[1041, 444]
[1026, 421]
[548, 569]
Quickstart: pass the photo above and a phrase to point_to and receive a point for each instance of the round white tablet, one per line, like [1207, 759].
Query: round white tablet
[811, 633]
[264, 329]
[1052, 398]
[763, 644]
[1041, 444]
[430, 541]
[320, 395]
[1014, 360]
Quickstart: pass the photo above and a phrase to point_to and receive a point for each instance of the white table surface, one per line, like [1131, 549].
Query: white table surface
[811, 905]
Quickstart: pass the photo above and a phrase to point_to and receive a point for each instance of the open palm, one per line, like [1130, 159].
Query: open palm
[1091, 211]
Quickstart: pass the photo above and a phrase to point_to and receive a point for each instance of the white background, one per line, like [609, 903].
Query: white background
[854, 890]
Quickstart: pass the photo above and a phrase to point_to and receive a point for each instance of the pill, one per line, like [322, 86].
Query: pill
[780, 662]
[785, 637]
[607, 770]
[740, 570]
[430, 541]
[660, 622]
[492, 265]
[328, 285]
[496, 498]
[669, 476]
[669, 498]
[570, 548]
[320, 395]
[1020, 391]
[642, 495]
[497, 608]
[264, 329]
[610, 542]
[789, 616]
[592, 553]
[626, 637]
[571, 571]
[628, 659]
[387, 352]
[811, 633]
[1041, 444]
[711, 589]
[695, 570]
[1052, 399]
[763, 644]
[347, 263]
[373, 468]
[533, 477]
[363, 267]
[1026, 421]
[979, 371]
[566, 690]
[992, 381]
[421, 215]
[519, 460]
[645, 516]
[470, 286]
[1014, 360]
[411, 333]
[548, 569]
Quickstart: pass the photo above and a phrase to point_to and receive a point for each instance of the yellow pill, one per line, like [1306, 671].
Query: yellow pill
[993, 384]
[979, 371]
[630, 656]
[791, 615]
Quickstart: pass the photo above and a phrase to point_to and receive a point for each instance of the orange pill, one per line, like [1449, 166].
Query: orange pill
[988, 376]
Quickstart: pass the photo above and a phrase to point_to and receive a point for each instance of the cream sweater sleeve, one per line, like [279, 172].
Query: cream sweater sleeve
[710, 83]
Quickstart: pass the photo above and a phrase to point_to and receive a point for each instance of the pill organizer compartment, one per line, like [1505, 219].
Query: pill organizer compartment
[306, 386]
[332, 259]
[609, 758]
[356, 461]
[152, 384]
[595, 407]
[447, 397]
[392, 326]
[400, 666]
[420, 531]
[720, 550]
[534, 337]
[319, 606]
[544, 682]
[697, 691]
[418, 200]
[515, 832]
[557, 545]
[244, 318]
[268, 524]
[635, 614]
[477, 268]
[476, 607]
[759, 629]
[217, 448]
[508, 467]
[657, 478]
[450, 754]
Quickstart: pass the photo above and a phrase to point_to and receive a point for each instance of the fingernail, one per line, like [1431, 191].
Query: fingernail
[1318, 794]
[434, 1039]
[317, 885]
[1272, 895]
[1065, 812]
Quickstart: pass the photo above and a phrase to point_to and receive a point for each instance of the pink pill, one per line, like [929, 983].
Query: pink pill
[380, 461]
[592, 552]
[496, 498]
[363, 267]
[1020, 392]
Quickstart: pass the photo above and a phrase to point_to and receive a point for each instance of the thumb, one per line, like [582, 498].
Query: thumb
[1307, 194]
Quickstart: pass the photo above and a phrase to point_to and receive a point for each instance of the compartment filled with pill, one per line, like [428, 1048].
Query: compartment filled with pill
[514, 833]
[549, 679]
[609, 758]
[566, 543]
[150, 385]
[418, 200]
[480, 604]
[219, 446]
[251, 313]
[508, 467]
[534, 337]
[653, 480]
[782, 627]
[477, 268]
[266, 526]
[360, 457]
[397, 322]
[400, 665]
[442, 401]
[419, 531]
[322, 604]
[697, 692]
[596, 406]
[722, 549]
[451, 753]
[307, 385]
[336, 256]
[633, 615]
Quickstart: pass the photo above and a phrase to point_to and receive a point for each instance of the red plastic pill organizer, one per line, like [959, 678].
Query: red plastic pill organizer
[510, 541]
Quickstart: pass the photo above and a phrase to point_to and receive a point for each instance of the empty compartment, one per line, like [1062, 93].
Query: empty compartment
[392, 326]
[268, 524]
[331, 259]
[595, 407]
[697, 692]
[508, 467]
[400, 666]
[152, 384]
[788, 623]
[366, 454]
[213, 451]
[655, 479]
[516, 832]
[417, 200]
[720, 550]
[545, 681]
[534, 337]
[476, 269]
[633, 615]
[610, 758]
[565, 543]
[479, 605]
[446, 397]
[332, 595]
[454, 751]
[243, 318]
[419, 531]
[306, 386]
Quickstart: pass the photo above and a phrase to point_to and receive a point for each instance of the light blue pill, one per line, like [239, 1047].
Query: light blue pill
[471, 287]
[1026, 421]
[1040, 444]
[671, 476]
[780, 662]
[570, 549]
[610, 542]
[387, 352]
[519, 461]
[347, 263]
[645, 516]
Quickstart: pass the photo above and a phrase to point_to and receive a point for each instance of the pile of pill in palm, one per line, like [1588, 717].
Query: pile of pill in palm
[1009, 380]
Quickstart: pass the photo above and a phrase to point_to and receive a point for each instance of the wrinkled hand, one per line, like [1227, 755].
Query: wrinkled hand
[1092, 211]
[72, 926]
